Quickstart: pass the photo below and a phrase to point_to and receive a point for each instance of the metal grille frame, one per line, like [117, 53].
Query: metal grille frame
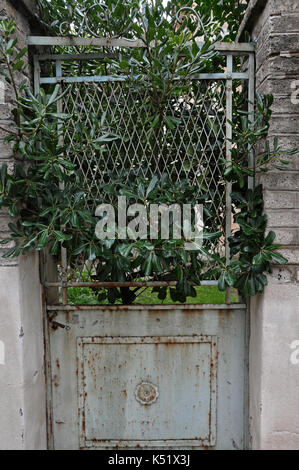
[97, 86]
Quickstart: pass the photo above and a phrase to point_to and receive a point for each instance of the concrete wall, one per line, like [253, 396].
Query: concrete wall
[274, 377]
[22, 381]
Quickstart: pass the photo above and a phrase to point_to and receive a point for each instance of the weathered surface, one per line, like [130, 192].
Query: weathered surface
[6, 155]
[274, 379]
[22, 389]
[191, 360]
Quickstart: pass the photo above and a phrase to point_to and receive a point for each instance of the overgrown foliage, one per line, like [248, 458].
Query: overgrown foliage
[46, 192]
[116, 18]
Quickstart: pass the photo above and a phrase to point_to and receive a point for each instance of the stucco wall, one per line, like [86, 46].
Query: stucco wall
[22, 382]
[274, 379]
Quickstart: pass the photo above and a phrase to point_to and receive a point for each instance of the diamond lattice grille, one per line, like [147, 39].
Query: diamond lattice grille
[190, 146]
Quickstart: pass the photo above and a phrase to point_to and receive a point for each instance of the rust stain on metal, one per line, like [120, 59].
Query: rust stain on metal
[56, 381]
[203, 370]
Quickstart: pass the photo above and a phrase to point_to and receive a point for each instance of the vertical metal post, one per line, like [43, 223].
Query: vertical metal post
[36, 75]
[228, 200]
[251, 98]
[36, 90]
[42, 270]
[63, 250]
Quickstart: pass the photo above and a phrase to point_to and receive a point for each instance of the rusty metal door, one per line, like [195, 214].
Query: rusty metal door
[148, 376]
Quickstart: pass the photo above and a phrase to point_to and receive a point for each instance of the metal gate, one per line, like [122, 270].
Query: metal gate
[146, 376]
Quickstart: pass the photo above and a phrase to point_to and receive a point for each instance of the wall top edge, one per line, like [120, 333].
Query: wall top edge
[254, 8]
[29, 9]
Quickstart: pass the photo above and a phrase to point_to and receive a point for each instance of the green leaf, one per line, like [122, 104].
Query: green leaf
[211, 236]
[222, 282]
[147, 265]
[10, 253]
[152, 185]
[3, 174]
[27, 223]
[13, 211]
[74, 220]
[14, 229]
[162, 293]
[54, 95]
[92, 252]
[62, 116]
[54, 248]
[43, 240]
[229, 278]
[5, 241]
[21, 53]
[270, 238]
[30, 241]
[18, 65]
[79, 249]
[125, 249]
[61, 237]
[277, 258]
[258, 259]
[112, 295]
[108, 244]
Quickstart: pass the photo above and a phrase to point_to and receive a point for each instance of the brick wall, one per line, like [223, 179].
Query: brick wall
[7, 10]
[23, 12]
[276, 31]
[273, 377]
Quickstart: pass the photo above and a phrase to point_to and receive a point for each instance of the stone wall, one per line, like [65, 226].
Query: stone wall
[274, 379]
[22, 381]
[23, 13]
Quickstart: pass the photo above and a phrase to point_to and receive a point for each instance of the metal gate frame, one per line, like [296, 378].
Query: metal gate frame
[227, 49]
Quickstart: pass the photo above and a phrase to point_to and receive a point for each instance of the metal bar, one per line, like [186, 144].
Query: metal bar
[234, 47]
[125, 284]
[48, 373]
[235, 53]
[91, 78]
[36, 75]
[78, 41]
[122, 78]
[46, 339]
[213, 390]
[69, 308]
[221, 76]
[120, 42]
[83, 56]
[147, 340]
[251, 98]
[98, 55]
[229, 117]
[61, 185]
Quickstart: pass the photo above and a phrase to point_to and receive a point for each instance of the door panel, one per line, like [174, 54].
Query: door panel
[149, 377]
